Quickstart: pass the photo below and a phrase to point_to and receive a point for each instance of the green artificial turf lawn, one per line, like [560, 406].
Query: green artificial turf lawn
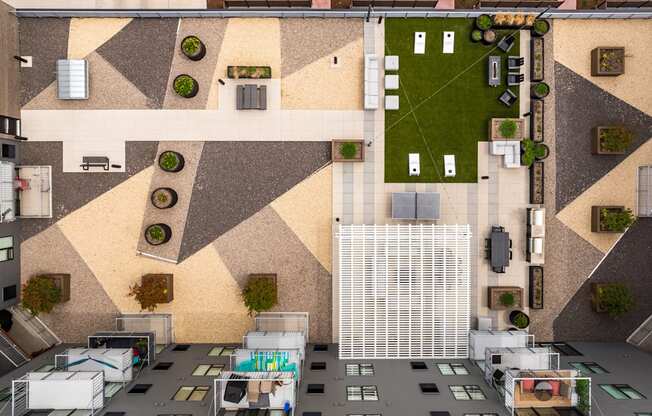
[457, 116]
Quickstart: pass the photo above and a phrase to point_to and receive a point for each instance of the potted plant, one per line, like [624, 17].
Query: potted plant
[157, 234]
[163, 198]
[607, 61]
[519, 319]
[539, 90]
[154, 289]
[614, 299]
[193, 48]
[171, 161]
[611, 219]
[611, 140]
[347, 150]
[40, 295]
[254, 72]
[186, 86]
[531, 151]
[260, 293]
[476, 35]
[496, 297]
[483, 22]
[540, 27]
[507, 299]
[488, 37]
[507, 128]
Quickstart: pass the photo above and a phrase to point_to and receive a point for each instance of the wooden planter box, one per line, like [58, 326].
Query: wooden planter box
[536, 59]
[169, 283]
[337, 156]
[595, 142]
[496, 291]
[536, 287]
[596, 227]
[249, 72]
[596, 56]
[595, 293]
[537, 182]
[62, 282]
[494, 129]
[267, 276]
[536, 120]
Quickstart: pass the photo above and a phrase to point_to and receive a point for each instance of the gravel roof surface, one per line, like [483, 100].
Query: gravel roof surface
[237, 179]
[73, 190]
[629, 262]
[142, 52]
[45, 40]
[581, 106]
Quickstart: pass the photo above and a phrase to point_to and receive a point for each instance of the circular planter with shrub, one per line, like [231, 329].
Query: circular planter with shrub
[193, 48]
[163, 198]
[539, 90]
[531, 151]
[171, 161]
[476, 35]
[614, 299]
[540, 27]
[260, 293]
[157, 234]
[489, 37]
[519, 319]
[186, 86]
[484, 22]
[40, 295]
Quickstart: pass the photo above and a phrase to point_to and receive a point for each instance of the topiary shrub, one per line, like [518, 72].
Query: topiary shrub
[185, 86]
[476, 35]
[483, 22]
[507, 299]
[149, 293]
[40, 295]
[348, 150]
[616, 220]
[540, 90]
[191, 45]
[507, 128]
[540, 27]
[519, 319]
[259, 294]
[616, 299]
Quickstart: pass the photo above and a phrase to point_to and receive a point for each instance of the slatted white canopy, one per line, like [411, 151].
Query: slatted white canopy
[72, 79]
[404, 291]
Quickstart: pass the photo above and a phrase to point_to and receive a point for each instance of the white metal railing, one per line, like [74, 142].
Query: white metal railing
[35, 326]
[284, 322]
[12, 351]
[158, 323]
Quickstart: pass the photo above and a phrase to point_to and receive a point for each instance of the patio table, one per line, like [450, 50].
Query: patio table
[499, 249]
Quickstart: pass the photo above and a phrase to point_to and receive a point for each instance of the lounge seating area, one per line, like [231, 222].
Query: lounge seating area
[510, 150]
[536, 229]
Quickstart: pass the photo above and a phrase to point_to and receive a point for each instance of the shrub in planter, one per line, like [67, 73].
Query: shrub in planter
[532, 151]
[483, 22]
[193, 48]
[163, 198]
[540, 90]
[259, 294]
[157, 234]
[582, 388]
[613, 139]
[616, 220]
[608, 61]
[519, 319]
[150, 292]
[254, 72]
[171, 161]
[348, 150]
[507, 299]
[40, 295]
[507, 128]
[186, 86]
[476, 35]
[540, 27]
[613, 298]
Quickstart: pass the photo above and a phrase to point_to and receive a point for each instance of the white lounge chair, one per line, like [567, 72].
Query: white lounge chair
[449, 166]
[414, 164]
[391, 63]
[391, 82]
[391, 102]
[419, 43]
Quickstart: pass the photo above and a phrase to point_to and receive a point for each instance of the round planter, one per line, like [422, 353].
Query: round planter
[512, 316]
[199, 53]
[157, 234]
[545, 153]
[484, 22]
[180, 81]
[163, 198]
[476, 35]
[165, 161]
[540, 27]
[489, 37]
[539, 95]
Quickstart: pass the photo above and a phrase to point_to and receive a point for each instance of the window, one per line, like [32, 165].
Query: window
[181, 347]
[450, 369]
[429, 388]
[621, 392]
[208, 370]
[5, 394]
[315, 389]
[589, 368]
[9, 292]
[356, 370]
[365, 393]
[561, 347]
[220, 352]
[320, 347]
[191, 393]
[418, 365]
[140, 388]
[9, 151]
[163, 366]
[467, 392]
[317, 365]
[6, 248]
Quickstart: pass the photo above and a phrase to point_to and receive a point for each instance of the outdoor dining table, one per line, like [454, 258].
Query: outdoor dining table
[499, 249]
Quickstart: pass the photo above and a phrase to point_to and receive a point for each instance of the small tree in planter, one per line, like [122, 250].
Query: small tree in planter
[616, 220]
[348, 150]
[171, 161]
[483, 22]
[612, 298]
[40, 295]
[260, 293]
[193, 48]
[154, 289]
[532, 151]
[507, 128]
[612, 140]
[519, 319]
[164, 198]
[476, 35]
[157, 234]
[540, 27]
[185, 86]
[540, 90]
[507, 299]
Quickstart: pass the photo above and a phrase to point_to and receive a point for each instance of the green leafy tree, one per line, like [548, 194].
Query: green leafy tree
[259, 295]
[149, 294]
[617, 221]
[40, 295]
[616, 299]
[348, 150]
[507, 128]
[507, 299]
[615, 139]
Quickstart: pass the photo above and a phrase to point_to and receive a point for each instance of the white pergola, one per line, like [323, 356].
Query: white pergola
[404, 291]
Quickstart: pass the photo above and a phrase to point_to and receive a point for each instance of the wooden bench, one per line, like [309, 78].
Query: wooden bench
[95, 162]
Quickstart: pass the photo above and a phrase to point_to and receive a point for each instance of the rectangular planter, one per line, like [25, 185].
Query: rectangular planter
[536, 59]
[337, 156]
[494, 130]
[595, 290]
[595, 217]
[596, 55]
[595, 142]
[537, 182]
[536, 287]
[62, 282]
[536, 120]
[269, 276]
[169, 284]
[249, 72]
[494, 293]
